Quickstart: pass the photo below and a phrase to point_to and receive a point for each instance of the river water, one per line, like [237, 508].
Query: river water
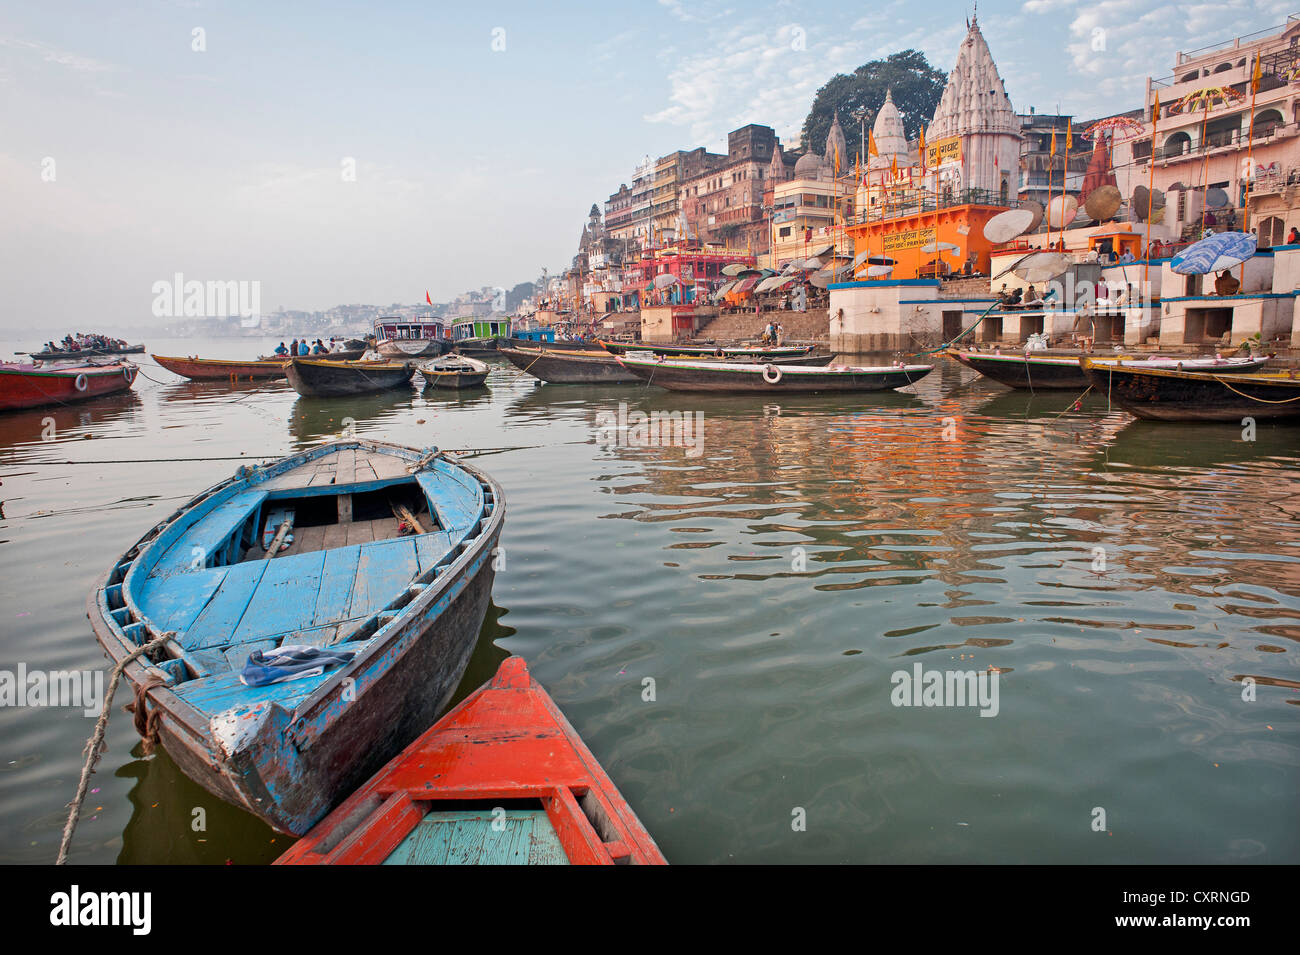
[723, 623]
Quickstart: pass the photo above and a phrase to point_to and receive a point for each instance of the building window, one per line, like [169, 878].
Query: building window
[1270, 232]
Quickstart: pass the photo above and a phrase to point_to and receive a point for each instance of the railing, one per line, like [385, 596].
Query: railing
[1225, 140]
[920, 202]
[1234, 43]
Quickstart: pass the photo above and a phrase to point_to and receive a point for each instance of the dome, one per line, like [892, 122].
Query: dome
[891, 139]
[809, 166]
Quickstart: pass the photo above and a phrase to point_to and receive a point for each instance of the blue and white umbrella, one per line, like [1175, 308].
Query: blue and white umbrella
[1215, 253]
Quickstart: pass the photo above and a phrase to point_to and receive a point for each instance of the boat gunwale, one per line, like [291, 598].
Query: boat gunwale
[761, 367]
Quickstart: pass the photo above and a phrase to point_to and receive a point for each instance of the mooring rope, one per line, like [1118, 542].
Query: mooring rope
[95, 745]
[1266, 401]
[960, 336]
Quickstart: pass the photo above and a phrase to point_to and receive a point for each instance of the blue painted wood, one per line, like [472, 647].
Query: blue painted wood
[285, 599]
[173, 603]
[384, 570]
[214, 626]
[431, 548]
[335, 593]
[468, 838]
[210, 534]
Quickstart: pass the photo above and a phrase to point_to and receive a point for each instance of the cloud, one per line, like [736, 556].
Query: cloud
[50, 54]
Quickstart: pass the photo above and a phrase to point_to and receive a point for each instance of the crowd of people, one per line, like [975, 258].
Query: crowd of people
[304, 348]
[85, 340]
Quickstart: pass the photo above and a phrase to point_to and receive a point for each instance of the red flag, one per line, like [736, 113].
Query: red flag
[426, 297]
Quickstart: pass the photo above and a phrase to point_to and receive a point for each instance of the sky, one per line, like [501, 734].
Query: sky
[368, 153]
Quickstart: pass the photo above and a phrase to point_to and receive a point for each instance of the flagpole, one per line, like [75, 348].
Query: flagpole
[1250, 160]
[1151, 197]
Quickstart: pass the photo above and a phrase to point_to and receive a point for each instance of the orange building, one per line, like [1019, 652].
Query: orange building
[933, 239]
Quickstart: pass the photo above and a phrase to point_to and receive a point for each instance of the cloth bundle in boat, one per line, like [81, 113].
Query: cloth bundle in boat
[289, 663]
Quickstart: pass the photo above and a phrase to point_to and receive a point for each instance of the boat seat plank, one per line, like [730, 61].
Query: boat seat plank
[208, 534]
[387, 466]
[431, 548]
[302, 475]
[347, 467]
[214, 626]
[456, 505]
[365, 471]
[173, 603]
[337, 577]
[384, 570]
[235, 657]
[285, 598]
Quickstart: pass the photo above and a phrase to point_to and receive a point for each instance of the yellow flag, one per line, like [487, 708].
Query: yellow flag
[1069, 134]
[1052, 151]
[893, 167]
[1155, 110]
[922, 148]
[837, 161]
[871, 144]
[1254, 81]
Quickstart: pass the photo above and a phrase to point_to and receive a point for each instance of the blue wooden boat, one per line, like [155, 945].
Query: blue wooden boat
[408, 606]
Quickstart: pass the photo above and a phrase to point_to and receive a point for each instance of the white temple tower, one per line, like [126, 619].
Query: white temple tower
[889, 136]
[975, 107]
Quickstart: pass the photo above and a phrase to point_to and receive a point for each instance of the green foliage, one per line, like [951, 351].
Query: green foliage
[916, 88]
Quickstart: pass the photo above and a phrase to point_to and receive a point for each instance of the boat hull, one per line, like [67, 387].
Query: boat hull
[290, 767]
[214, 369]
[736, 378]
[26, 386]
[702, 351]
[1063, 372]
[1186, 396]
[83, 353]
[568, 368]
[413, 348]
[507, 741]
[324, 379]
[454, 372]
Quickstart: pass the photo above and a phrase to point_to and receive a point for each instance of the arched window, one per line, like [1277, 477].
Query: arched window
[1267, 122]
[1177, 144]
[1270, 232]
[1189, 77]
[1223, 67]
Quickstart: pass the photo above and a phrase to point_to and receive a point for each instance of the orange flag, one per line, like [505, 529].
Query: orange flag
[871, 144]
[1052, 151]
[922, 149]
[1254, 80]
[1069, 133]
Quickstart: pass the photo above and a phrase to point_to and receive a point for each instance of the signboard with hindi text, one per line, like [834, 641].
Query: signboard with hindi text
[943, 151]
[911, 239]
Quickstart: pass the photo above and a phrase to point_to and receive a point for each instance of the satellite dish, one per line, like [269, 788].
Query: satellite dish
[734, 269]
[878, 271]
[1043, 266]
[821, 279]
[1103, 202]
[665, 280]
[861, 257]
[1216, 198]
[1061, 211]
[1006, 226]
[1037, 210]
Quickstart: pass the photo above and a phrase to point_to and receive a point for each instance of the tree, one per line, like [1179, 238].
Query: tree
[916, 86]
[515, 297]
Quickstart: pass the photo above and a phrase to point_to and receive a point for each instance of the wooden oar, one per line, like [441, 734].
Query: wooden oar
[280, 535]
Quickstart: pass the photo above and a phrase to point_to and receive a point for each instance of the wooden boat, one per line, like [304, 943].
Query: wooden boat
[317, 378]
[569, 367]
[551, 344]
[217, 369]
[33, 385]
[1048, 372]
[754, 353]
[753, 378]
[417, 338]
[502, 779]
[408, 608]
[1171, 395]
[80, 354]
[454, 371]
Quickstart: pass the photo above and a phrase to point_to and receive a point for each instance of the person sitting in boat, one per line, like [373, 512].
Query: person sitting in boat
[1226, 284]
[303, 350]
[319, 348]
[337, 346]
[293, 347]
[281, 350]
